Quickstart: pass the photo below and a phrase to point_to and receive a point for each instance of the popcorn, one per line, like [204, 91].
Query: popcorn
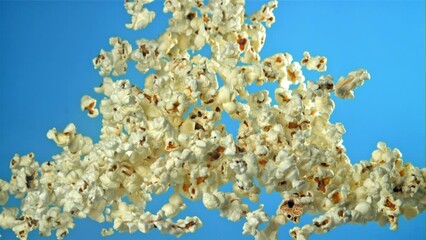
[265, 14]
[314, 63]
[254, 219]
[232, 208]
[168, 137]
[213, 201]
[345, 86]
[107, 232]
[7, 217]
[292, 208]
[4, 188]
[141, 16]
[104, 62]
[294, 73]
[172, 208]
[88, 103]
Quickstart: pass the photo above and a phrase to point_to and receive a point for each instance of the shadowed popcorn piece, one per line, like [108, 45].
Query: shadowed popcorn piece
[345, 86]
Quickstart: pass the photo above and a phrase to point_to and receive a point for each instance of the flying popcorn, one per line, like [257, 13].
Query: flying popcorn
[168, 136]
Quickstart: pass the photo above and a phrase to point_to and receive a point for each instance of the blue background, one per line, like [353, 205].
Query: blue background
[46, 48]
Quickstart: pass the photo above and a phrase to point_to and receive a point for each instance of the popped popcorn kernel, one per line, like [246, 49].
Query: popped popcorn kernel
[89, 104]
[141, 16]
[345, 86]
[314, 63]
[107, 232]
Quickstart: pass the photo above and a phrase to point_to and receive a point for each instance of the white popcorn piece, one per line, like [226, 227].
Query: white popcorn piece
[301, 233]
[88, 103]
[107, 87]
[172, 208]
[107, 232]
[232, 208]
[213, 200]
[294, 73]
[4, 188]
[141, 16]
[114, 61]
[7, 217]
[314, 63]
[64, 138]
[104, 62]
[254, 219]
[120, 54]
[265, 14]
[345, 86]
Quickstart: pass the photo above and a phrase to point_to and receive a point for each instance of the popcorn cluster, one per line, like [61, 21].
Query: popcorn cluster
[169, 135]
